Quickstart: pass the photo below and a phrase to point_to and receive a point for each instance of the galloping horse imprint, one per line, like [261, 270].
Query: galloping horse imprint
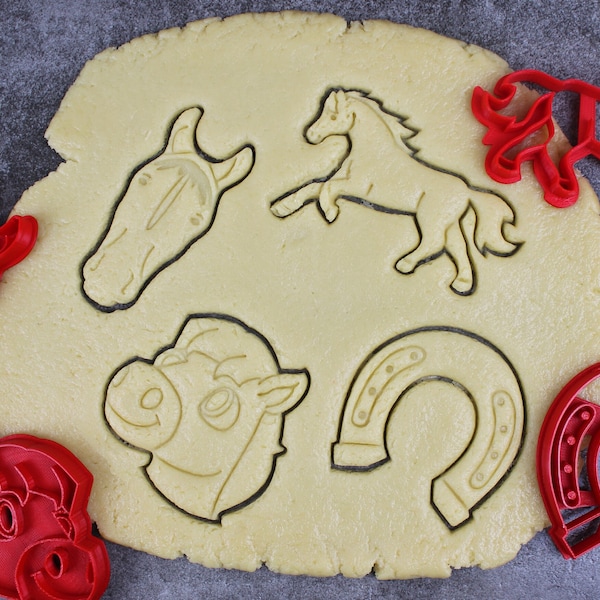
[437, 354]
[170, 202]
[437, 199]
[210, 411]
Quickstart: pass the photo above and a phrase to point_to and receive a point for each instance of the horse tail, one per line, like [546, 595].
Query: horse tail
[495, 218]
[417, 358]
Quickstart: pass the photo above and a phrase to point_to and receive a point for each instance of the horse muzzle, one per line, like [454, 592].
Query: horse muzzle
[142, 407]
[313, 135]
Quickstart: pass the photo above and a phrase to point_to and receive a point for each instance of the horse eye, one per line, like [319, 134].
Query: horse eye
[333, 117]
[220, 408]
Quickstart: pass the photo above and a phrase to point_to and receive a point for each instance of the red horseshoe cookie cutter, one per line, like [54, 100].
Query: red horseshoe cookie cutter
[573, 507]
[47, 550]
[506, 133]
[17, 237]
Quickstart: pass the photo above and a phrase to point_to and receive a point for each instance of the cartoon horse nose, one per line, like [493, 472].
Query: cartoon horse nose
[142, 407]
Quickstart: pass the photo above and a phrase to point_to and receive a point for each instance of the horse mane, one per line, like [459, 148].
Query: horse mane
[400, 131]
[189, 169]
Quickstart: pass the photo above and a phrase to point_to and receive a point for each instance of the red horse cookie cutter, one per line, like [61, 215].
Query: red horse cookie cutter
[572, 503]
[507, 135]
[17, 237]
[47, 550]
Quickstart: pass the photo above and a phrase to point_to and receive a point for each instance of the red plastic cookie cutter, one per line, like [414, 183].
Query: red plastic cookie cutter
[47, 550]
[506, 133]
[17, 237]
[574, 510]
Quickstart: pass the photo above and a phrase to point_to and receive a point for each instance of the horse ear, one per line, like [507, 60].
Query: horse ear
[331, 101]
[182, 137]
[283, 391]
[340, 98]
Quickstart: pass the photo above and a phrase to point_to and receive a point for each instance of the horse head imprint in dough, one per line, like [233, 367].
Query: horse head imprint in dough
[171, 201]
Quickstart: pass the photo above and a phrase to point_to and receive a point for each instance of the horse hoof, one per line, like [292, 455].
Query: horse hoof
[279, 211]
[331, 214]
[405, 267]
[463, 286]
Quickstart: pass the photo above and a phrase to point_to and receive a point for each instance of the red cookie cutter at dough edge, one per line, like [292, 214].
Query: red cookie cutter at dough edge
[47, 550]
[572, 504]
[17, 237]
[507, 135]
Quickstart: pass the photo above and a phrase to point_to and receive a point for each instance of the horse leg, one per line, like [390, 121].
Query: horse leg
[330, 194]
[332, 191]
[334, 151]
[434, 218]
[433, 229]
[293, 201]
[456, 247]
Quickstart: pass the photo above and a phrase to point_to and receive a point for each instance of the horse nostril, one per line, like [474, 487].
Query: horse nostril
[128, 283]
[151, 399]
[93, 262]
[313, 136]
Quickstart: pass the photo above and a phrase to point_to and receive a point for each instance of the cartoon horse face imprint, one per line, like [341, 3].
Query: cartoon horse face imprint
[210, 410]
[397, 182]
[170, 202]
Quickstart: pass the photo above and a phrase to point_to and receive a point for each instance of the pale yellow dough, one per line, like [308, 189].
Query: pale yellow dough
[254, 322]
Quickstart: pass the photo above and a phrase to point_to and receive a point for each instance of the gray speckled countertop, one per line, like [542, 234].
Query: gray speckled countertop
[43, 46]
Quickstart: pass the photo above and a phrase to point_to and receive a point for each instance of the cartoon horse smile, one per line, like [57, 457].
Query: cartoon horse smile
[210, 411]
[380, 171]
[170, 202]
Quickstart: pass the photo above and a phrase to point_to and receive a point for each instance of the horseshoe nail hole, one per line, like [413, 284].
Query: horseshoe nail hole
[362, 415]
[372, 391]
[389, 369]
[415, 356]
[503, 429]
[494, 455]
